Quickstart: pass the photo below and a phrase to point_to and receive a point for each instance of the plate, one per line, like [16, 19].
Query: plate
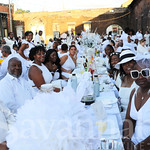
[107, 100]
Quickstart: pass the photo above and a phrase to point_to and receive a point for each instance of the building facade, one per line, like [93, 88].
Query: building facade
[139, 17]
[4, 20]
[54, 23]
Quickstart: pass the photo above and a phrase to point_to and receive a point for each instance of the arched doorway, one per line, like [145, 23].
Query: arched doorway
[115, 29]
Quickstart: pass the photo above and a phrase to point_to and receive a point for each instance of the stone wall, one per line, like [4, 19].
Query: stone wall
[140, 15]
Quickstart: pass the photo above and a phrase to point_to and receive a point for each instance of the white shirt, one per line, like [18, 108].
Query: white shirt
[6, 120]
[147, 38]
[27, 50]
[139, 35]
[10, 42]
[141, 49]
[49, 45]
[124, 38]
[14, 92]
[4, 65]
[37, 40]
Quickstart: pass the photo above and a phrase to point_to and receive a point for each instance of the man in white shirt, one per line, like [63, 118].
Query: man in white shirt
[14, 89]
[4, 64]
[38, 38]
[6, 120]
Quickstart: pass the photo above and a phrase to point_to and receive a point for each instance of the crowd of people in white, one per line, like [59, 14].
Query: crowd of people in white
[27, 63]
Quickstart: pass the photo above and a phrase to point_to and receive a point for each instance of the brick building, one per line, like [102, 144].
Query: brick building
[4, 20]
[53, 23]
[133, 13]
[139, 17]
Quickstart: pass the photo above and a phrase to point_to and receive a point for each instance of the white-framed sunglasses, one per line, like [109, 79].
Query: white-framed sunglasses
[144, 72]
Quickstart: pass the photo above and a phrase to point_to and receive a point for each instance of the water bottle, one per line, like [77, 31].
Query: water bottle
[74, 82]
[96, 86]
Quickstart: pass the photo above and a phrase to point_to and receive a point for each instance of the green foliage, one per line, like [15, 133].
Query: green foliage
[20, 11]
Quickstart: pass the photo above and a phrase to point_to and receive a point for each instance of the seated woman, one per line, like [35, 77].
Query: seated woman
[127, 83]
[68, 62]
[63, 52]
[141, 49]
[108, 50]
[114, 73]
[52, 62]
[26, 46]
[137, 123]
[38, 72]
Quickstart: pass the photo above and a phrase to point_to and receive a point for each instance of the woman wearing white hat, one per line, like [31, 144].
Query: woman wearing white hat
[127, 83]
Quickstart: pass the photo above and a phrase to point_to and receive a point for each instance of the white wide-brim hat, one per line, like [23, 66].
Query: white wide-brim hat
[125, 56]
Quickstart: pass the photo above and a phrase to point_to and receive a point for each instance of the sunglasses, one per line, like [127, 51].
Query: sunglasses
[144, 72]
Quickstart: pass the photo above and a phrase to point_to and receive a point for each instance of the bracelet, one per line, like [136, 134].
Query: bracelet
[126, 138]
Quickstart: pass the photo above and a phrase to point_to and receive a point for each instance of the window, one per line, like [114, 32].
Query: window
[71, 28]
[87, 26]
[3, 26]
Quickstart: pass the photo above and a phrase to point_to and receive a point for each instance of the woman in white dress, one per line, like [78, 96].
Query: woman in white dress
[52, 62]
[127, 83]
[141, 49]
[38, 72]
[137, 123]
[68, 62]
[26, 46]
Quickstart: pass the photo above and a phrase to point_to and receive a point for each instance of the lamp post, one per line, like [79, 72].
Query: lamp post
[10, 20]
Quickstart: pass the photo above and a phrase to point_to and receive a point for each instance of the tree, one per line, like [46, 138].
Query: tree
[20, 11]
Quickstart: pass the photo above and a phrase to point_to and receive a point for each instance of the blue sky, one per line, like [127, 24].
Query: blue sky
[57, 5]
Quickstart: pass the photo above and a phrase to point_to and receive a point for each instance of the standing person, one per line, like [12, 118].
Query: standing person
[69, 62]
[10, 40]
[136, 126]
[126, 65]
[147, 38]
[124, 36]
[38, 73]
[14, 89]
[139, 35]
[38, 40]
[26, 46]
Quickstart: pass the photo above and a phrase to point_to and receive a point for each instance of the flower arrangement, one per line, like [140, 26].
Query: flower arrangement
[91, 40]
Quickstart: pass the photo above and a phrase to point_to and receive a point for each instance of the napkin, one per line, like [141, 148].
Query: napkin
[85, 86]
[99, 110]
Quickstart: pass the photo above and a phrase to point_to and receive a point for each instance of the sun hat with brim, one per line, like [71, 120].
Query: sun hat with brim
[125, 56]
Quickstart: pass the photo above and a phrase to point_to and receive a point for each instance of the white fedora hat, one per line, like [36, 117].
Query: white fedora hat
[125, 56]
